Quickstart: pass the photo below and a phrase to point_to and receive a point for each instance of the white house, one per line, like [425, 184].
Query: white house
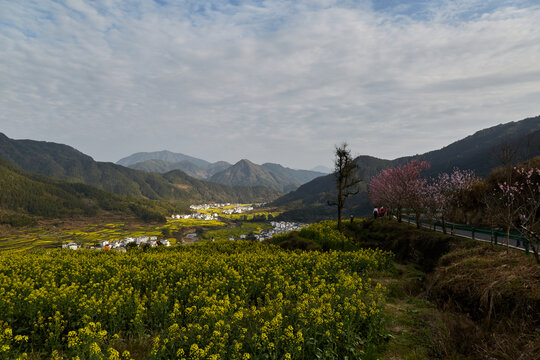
[71, 246]
[165, 242]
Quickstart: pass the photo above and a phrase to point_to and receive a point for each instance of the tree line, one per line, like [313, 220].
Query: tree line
[508, 198]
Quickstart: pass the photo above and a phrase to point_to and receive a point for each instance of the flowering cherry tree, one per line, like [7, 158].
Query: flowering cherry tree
[399, 187]
[443, 194]
[522, 198]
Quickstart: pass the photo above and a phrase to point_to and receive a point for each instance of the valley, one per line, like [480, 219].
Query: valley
[102, 261]
[270, 180]
[209, 221]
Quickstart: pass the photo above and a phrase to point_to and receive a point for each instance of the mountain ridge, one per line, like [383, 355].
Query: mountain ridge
[66, 163]
[274, 176]
[164, 155]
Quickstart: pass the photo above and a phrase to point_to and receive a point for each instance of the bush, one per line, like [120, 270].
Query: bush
[319, 236]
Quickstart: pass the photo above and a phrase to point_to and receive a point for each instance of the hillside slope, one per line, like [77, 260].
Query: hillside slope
[480, 151]
[24, 193]
[66, 163]
[293, 175]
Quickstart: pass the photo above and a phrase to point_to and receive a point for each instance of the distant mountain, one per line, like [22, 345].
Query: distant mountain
[247, 173]
[478, 152]
[322, 169]
[161, 166]
[164, 155]
[273, 176]
[243, 173]
[158, 166]
[64, 162]
[24, 194]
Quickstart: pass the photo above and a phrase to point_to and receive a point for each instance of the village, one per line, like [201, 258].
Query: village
[279, 227]
[236, 209]
[122, 245]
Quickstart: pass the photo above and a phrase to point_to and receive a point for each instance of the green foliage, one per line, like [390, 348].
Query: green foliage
[245, 228]
[147, 214]
[420, 246]
[17, 220]
[214, 300]
[319, 236]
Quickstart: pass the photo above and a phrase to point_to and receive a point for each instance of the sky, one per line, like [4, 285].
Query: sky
[271, 81]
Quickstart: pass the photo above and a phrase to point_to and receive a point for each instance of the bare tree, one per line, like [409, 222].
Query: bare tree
[347, 176]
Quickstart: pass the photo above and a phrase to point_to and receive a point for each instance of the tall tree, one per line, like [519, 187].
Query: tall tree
[347, 174]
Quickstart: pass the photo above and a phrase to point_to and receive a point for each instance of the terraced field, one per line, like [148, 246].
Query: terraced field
[91, 234]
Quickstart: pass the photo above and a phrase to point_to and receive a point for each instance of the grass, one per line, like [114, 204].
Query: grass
[472, 300]
[247, 216]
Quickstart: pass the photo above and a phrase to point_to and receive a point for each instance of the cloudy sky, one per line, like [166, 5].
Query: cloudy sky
[272, 81]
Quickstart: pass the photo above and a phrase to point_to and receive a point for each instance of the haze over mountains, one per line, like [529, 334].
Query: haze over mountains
[244, 172]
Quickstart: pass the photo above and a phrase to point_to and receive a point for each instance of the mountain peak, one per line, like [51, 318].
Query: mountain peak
[164, 155]
[245, 162]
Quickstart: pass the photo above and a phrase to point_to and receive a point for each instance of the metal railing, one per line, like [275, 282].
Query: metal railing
[515, 240]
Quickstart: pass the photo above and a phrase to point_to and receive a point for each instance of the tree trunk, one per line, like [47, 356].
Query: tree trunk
[417, 218]
[399, 215]
[443, 225]
[339, 217]
[507, 238]
[535, 252]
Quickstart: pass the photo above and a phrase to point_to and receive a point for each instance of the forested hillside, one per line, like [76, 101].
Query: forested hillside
[64, 162]
[25, 194]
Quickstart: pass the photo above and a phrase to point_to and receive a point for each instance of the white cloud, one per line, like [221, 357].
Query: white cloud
[269, 81]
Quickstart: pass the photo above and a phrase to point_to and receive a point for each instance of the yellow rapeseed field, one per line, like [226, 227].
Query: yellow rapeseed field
[222, 300]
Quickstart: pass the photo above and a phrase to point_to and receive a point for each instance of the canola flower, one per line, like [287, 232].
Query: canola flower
[219, 300]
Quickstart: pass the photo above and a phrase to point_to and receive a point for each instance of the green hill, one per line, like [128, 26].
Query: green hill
[247, 173]
[480, 151]
[64, 162]
[24, 194]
